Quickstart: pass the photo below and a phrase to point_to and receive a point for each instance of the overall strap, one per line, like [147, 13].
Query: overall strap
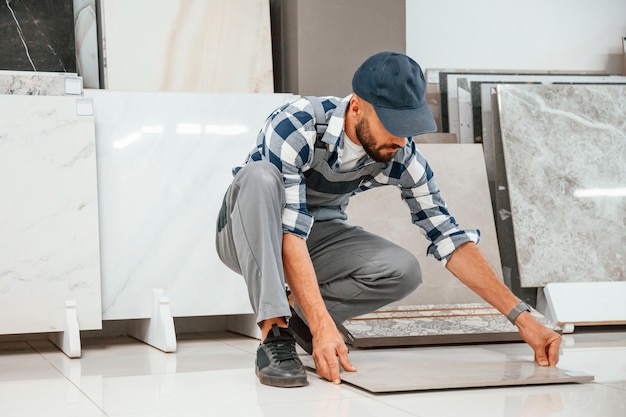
[320, 118]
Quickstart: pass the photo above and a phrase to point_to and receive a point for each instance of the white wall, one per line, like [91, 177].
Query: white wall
[574, 35]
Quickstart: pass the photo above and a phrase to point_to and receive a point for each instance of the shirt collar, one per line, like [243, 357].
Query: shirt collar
[334, 131]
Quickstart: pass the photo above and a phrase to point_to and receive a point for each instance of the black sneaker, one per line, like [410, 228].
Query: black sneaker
[277, 362]
[301, 331]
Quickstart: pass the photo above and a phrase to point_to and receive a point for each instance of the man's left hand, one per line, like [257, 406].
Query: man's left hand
[544, 342]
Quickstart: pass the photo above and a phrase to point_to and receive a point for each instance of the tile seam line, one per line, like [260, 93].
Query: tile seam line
[69, 380]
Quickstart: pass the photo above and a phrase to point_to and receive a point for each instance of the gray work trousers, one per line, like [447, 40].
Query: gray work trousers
[357, 271]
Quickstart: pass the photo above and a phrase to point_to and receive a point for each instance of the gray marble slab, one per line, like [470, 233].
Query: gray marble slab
[455, 102]
[488, 136]
[430, 368]
[475, 91]
[49, 237]
[412, 325]
[460, 173]
[438, 85]
[502, 208]
[481, 116]
[564, 151]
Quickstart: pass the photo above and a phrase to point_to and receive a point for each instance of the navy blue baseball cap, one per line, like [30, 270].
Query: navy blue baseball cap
[394, 84]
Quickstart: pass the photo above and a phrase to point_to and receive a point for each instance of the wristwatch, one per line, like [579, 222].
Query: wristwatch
[517, 310]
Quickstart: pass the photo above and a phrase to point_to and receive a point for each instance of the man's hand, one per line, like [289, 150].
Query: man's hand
[469, 265]
[542, 340]
[328, 345]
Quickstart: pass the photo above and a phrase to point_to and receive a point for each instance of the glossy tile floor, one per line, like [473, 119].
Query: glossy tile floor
[212, 374]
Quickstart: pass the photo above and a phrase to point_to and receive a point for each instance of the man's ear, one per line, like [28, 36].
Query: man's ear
[356, 107]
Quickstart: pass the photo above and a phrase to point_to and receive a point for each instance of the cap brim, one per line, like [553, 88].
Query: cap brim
[409, 122]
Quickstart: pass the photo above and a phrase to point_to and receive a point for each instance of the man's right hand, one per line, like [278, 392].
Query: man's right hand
[330, 352]
[328, 344]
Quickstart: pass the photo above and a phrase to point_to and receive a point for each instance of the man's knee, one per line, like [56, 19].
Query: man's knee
[408, 273]
[259, 175]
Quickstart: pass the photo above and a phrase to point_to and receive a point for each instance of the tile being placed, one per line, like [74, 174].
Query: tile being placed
[211, 29]
[607, 364]
[40, 84]
[49, 239]
[460, 173]
[422, 368]
[432, 324]
[164, 162]
[564, 157]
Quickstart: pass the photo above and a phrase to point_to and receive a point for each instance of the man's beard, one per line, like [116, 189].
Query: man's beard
[364, 136]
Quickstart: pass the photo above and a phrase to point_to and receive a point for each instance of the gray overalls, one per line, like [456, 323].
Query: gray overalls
[357, 271]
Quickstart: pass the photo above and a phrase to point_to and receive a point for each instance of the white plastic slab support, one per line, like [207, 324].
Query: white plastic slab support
[158, 330]
[69, 339]
[571, 304]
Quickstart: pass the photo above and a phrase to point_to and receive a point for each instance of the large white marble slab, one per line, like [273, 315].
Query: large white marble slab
[164, 163]
[49, 246]
[460, 174]
[217, 46]
[564, 152]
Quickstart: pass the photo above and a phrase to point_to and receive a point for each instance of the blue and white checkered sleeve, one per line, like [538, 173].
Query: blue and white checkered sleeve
[428, 209]
[287, 141]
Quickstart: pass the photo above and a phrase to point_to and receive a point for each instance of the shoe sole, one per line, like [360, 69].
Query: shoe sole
[281, 381]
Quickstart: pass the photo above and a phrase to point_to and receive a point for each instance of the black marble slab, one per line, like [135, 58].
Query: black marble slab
[37, 35]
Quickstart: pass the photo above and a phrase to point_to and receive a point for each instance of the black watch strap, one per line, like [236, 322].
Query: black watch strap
[517, 310]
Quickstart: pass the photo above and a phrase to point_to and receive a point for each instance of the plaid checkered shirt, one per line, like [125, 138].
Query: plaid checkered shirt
[287, 140]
